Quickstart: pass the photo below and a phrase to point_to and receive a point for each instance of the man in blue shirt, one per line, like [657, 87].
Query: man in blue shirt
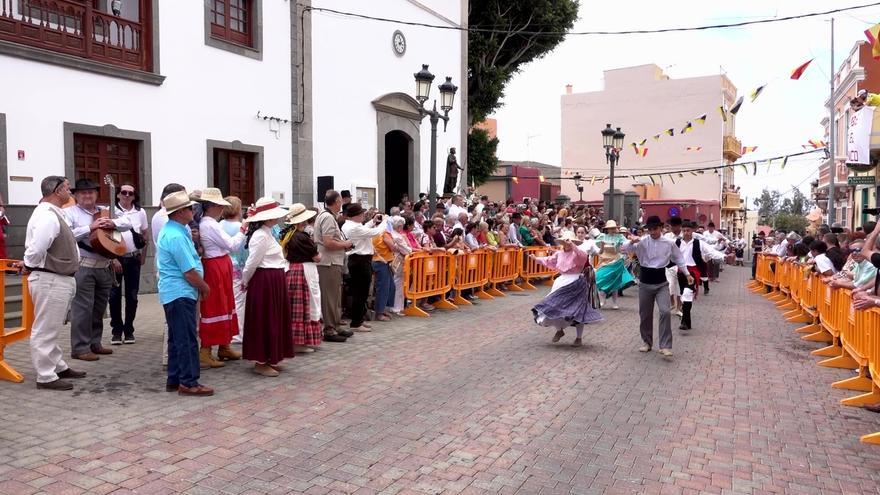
[180, 286]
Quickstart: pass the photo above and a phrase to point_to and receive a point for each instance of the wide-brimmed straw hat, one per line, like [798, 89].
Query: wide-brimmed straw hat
[569, 236]
[299, 214]
[177, 201]
[214, 196]
[610, 224]
[266, 209]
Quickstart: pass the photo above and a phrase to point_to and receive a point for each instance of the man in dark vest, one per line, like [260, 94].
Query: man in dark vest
[694, 253]
[51, 258]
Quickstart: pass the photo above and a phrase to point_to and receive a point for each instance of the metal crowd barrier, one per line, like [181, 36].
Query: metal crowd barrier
[14, 334]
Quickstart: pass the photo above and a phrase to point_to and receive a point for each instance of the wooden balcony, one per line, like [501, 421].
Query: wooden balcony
[732, 148]
[730, 201]
[75, 27]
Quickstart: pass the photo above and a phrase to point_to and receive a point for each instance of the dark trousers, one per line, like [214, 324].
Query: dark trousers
[686, 306]
[183, 347]
[360, 272]
[87, 311]
[130, 278]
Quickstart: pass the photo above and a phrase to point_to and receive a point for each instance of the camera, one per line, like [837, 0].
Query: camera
[871, 211]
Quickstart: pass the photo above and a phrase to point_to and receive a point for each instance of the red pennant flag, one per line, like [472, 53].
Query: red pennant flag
[797, 73]
[748, 149]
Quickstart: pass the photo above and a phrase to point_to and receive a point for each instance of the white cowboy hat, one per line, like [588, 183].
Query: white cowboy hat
[569, 236]
[610, 224]
[266, 209]
[299, 214]
[622, 230]
[176, 201]
[214, 196]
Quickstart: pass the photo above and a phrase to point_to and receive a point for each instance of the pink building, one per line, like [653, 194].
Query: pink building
[644, 102]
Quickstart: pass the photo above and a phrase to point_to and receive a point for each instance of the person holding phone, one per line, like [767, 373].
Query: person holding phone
[360, 259]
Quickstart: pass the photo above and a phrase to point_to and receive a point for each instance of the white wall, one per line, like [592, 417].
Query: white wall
[207, 94]
[353, 64]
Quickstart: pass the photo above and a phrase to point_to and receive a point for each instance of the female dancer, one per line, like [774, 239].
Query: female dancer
[569, 302]
[303, 289]
[611, 272]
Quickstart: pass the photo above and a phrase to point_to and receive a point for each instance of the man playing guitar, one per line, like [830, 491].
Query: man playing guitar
[94, 278]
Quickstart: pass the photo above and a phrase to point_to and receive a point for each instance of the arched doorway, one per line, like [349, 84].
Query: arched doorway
[397, 167]
[397, 145]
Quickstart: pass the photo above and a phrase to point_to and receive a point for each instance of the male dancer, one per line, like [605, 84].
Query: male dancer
[655, 253]
[673, 235]
[695, 254]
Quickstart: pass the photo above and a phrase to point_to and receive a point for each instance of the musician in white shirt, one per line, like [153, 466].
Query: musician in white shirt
[94, 277]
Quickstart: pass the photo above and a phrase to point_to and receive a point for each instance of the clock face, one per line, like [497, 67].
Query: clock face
[398, 43]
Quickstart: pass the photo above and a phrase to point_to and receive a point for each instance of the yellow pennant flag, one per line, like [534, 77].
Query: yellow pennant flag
[657, 137]
[652, 180]
[687, 128]
[723, 113]
[757, 92]
[592, 180]
[643, 142]
[873, 35]
[701, 119]
[784, 162]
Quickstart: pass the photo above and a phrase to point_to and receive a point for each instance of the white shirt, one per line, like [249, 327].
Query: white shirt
[672, 237]
[687, 252]
[782, 248]
[712, 237]
[42, 229]
[80, 222]
[655, 253]
[823, 264]
[513, 234]
[160, 218]
[589, 246]
[454, 210]
[361, 236]
[263, 252]
[138, 219]
[478, 210]
[215, 241]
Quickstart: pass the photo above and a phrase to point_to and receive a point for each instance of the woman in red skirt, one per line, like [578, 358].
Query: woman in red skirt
[218, 321]
[303, 289]
[267, 336]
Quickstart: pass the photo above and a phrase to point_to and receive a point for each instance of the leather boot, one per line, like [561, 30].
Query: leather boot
[207, 360]
[226, 353]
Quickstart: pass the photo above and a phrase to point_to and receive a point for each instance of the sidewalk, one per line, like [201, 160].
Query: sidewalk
[473, 401]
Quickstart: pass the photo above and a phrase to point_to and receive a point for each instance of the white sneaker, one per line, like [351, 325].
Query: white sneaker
[615, 307]
[666, 352]
[678, 313]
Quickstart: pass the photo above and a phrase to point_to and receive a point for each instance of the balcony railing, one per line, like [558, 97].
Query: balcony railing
[76, 28]
[732, 147]
[730, 201]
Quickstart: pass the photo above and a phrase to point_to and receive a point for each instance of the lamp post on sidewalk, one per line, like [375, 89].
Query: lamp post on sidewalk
[612, 141]
[424, 78]
[577, 184]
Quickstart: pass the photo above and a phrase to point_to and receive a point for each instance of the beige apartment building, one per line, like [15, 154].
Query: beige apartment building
[644, 102]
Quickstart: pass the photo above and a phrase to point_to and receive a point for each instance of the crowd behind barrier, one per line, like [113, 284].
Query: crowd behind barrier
[852, 336]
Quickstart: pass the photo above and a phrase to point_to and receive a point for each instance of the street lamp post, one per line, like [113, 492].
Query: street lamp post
[424, 78]
[612, 141]
[577, 184]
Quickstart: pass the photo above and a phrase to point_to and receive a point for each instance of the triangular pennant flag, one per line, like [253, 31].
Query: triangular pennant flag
[701, 119]
[687, 128]
[661, 179]
[754, 168]
[643, 142]
[736, 106]
[748, 149]
[643, 152]
[769, 163]
[670, 131]
[873, 35]
[592, 180]
[671, 178]
[723, 113]
[757, 92]
[715, 170]
[816, 144]
[635, 148]
[784, 162]
[797, 73]
[652, 180]
[680, 174]
[745, 169]
[657, 137]
[694, 148]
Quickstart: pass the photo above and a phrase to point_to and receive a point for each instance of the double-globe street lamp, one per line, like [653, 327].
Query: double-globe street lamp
[612, 141]
[424, 78]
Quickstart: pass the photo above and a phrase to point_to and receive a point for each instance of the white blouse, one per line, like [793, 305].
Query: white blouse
[263, 252]
[215, 241]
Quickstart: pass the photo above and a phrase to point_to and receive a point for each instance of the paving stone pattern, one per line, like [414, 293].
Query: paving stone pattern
[475, 401]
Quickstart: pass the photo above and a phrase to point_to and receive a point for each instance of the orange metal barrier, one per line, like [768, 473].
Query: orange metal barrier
[472, 271]
[426, 275]
[531, 269]
[10, 335]
[505, 269]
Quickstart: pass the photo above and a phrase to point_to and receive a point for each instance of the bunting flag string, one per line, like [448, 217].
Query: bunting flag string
[797, 73]
[723, 113]
[757, 92]
[687, 128]
[701, 119]
[748, 149]
[815, 144]
[694, 148]
[873, 35]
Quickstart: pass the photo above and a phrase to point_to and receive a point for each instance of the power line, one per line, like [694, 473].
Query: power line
[589, 33]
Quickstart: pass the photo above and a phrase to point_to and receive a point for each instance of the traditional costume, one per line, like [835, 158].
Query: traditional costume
[611, 273]
[695, 255]
[303, 289]
[571, 300]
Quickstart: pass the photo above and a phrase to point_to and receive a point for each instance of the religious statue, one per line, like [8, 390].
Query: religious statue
[116, 7]
[452, 169]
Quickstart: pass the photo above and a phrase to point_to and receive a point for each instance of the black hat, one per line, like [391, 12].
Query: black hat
[653, 221]
[354, 209]
[85, 185]
[345, 193]
[674, 221]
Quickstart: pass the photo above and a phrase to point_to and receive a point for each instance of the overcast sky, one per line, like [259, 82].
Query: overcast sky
[784, 117]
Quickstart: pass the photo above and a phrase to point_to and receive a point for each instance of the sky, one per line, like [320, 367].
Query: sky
[786, 115]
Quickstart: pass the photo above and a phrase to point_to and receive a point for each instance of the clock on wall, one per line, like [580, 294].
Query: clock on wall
[398, 43]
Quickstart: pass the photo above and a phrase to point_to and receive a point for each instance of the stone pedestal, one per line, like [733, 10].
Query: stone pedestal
[616, 196]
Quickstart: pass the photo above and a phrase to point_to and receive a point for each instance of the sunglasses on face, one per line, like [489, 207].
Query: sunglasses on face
[856, 250]
[127, 193]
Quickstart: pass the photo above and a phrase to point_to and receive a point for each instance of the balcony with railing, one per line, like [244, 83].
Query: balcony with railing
[732, 148]
[730, 201]
[79, 29]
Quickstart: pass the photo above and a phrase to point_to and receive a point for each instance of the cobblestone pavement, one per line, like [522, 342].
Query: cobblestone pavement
[476, 401]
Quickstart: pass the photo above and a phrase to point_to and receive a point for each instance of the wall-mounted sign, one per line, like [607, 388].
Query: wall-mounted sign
[861, 180]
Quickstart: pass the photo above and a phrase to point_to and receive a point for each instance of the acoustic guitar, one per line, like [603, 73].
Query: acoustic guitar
[107, 242]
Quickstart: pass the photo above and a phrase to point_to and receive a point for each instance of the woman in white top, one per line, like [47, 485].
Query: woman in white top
[128, 205]
[268, 338]
[218, 320]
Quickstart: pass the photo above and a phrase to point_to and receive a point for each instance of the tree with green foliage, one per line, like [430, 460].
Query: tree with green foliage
[504, 36]
[788, 222]
[798, 204]
[482, 160]
[767, 204]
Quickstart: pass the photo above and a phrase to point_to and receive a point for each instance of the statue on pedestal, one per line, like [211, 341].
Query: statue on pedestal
[452, 169]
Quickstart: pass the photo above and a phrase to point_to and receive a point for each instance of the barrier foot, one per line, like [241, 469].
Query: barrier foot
[843, 361]
[416, 311]
[527, 285]
[547, 282]
[493, 291]
[856, 384]
[832, 351]
[820, 336]
[482, 294]
[797, 316]
[787, 305]
[514, 288]
[445, 304]
[460, 301]
[862, 400]
[873, 438]
[758, 289]
[8, 373]
[811, 328]
[775, 296]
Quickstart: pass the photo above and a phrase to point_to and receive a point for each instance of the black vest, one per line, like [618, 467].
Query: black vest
[698, 256]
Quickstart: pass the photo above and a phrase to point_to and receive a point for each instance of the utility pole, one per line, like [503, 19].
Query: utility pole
[832, 127]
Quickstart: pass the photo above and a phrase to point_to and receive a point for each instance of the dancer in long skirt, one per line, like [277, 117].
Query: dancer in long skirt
[303, 289]
[569, 302]
[612, 274]
[267, 336]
